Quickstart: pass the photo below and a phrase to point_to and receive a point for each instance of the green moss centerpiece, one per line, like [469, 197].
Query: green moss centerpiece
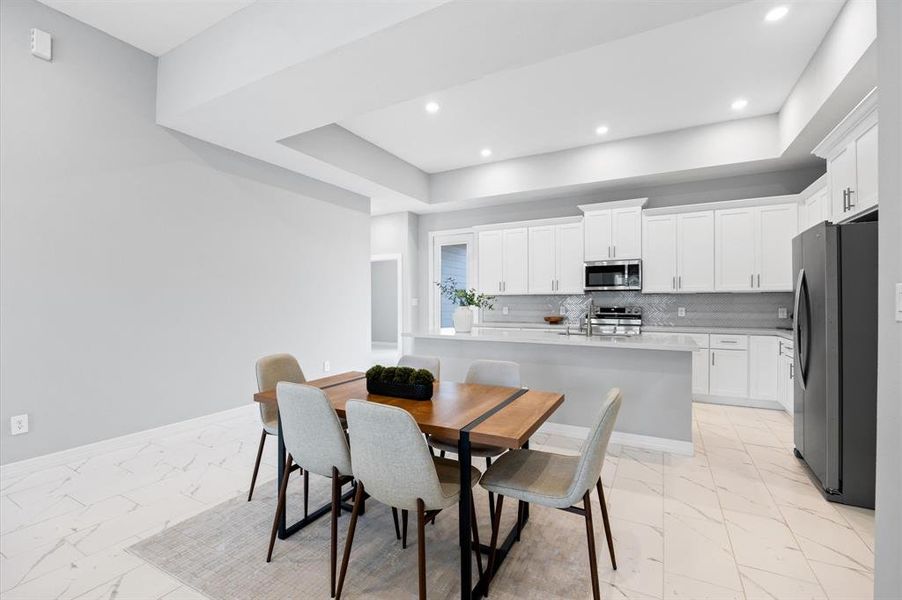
[400, 382]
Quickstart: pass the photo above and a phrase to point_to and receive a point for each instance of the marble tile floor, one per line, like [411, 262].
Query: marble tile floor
[737, 520]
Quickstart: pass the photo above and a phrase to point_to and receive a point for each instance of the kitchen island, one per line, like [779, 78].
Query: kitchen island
[653, 371]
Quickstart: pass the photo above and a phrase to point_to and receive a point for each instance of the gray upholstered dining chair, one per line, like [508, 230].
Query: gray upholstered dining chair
[430, 363]
[486, 372]
[558, 481]
[315, 440]
[393, 465]
[433, 365]
[270, 371]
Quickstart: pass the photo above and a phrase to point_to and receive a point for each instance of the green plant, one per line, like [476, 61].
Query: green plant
[464, 297]
[399, 375]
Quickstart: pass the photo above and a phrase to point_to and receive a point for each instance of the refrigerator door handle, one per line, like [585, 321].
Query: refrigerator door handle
[802, 349]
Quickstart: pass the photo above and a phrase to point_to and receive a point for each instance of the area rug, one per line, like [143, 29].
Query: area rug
[222, 552]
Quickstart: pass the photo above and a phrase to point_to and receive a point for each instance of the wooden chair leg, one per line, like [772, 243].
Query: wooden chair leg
[306, 491]
[496, 525]
[280, 507]
[333, 549]
[590, 534]
[475, 534]
[404, 529]
[394, 516]
[488, 463]
[358, 497]
[421, 547]
[250, 494]
[607, 523]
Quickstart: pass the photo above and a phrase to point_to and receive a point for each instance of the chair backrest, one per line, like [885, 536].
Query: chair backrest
[494, 372]
[593, 451]
[430, 363]
[312, 432]
[391, 457]
[271, 370]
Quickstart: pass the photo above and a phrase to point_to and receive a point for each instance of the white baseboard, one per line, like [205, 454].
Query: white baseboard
[70, 455]
[730, 401]
[634, 440]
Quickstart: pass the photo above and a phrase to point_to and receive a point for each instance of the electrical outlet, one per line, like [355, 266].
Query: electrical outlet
[782, 313]
[326, 366]
[18, 424]
[505, 310]
[681, 311]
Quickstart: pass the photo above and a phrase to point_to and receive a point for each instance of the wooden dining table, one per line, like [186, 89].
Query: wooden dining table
[467, 412]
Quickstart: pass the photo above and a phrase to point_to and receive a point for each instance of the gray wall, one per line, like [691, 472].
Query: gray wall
[888, 581]
[142, 272]
[707, 190]
[384, 310]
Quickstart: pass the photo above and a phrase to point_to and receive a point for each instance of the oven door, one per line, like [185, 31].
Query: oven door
[613, 275]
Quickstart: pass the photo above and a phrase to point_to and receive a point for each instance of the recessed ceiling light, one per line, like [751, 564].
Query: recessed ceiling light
[432, 107]
[775, 14]
[739, 104]
[601, 129]
[486, 152]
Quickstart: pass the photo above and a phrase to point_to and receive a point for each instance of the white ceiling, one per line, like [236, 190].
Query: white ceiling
[681, 75]
[155, 26]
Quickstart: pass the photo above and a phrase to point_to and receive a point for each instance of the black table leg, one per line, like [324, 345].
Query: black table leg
[464, 525]
[280, 461]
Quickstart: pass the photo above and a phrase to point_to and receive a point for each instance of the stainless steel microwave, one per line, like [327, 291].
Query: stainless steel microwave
[613, 275]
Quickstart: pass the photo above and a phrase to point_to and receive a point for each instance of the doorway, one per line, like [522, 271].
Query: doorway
[385, 306]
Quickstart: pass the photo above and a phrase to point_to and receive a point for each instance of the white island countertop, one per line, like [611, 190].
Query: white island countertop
[644, 341]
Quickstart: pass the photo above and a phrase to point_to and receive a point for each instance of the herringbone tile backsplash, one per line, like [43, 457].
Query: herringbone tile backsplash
[702, 310]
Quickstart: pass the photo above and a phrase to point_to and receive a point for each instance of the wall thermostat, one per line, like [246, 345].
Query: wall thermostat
[41, 44]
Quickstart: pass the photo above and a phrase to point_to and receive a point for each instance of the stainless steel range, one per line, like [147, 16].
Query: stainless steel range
[615, 320]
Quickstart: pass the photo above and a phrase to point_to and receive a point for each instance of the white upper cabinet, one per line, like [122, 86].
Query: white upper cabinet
[489, 261]
[613, 230]
[734, 250]
[569, 255]
[556, 259]
[775, 227]
[659, 261]
[542, 260]
[678, 252]
[598, 235]
[626, 232]
[753, 248]
[515, 257]
[695, 252]
[851, 153]
[502, 261]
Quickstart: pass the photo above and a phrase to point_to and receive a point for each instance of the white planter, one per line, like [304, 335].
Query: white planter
[463, 319]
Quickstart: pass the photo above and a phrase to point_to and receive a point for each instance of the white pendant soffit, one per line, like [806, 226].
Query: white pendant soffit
[155, 26]
[676, 76]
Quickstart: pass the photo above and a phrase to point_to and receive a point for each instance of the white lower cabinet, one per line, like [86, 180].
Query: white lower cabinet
[729, 373]
[700, 361]
[764, 353]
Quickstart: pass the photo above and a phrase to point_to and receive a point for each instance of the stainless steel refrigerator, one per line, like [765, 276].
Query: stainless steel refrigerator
[835, 330]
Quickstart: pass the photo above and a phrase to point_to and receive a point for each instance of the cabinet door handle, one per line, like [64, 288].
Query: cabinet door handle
[499, 286]
[780, 351]
[680, 282]
[759, 280]
[609, 252]
[673, 283]
[851, 191]
[845, 200]
[615, 250]
[712, 358]
[752, 280]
